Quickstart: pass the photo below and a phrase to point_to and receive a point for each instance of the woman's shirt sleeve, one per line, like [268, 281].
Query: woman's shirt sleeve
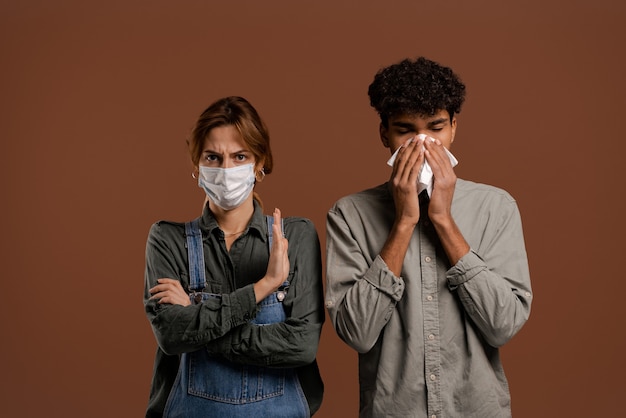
[177, 328]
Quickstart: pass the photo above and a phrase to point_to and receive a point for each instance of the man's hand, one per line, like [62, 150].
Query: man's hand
[170, 291]
[444, 181]
[404, 181]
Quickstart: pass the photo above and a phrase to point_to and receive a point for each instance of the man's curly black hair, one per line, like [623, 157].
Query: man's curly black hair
[416, 87]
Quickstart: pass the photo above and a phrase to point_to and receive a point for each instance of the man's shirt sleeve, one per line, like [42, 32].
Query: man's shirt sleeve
[493, 280]
[361, 294]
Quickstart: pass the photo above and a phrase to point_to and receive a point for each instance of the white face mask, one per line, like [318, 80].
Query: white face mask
[227, 187]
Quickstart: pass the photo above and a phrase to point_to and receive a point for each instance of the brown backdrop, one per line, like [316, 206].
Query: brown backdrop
[98, 97]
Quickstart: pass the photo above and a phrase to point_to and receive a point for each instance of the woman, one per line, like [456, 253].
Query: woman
[235, 302]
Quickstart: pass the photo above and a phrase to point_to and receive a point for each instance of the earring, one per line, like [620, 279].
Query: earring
[193, 174]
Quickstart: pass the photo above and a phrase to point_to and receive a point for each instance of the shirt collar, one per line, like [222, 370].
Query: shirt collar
[257, 223]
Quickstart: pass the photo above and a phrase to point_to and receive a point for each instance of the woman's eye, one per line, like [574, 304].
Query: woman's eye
[240, 157]
[211, 157]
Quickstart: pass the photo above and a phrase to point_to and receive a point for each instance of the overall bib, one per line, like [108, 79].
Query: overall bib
[210, 387]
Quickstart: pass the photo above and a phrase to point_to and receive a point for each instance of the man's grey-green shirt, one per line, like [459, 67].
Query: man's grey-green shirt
[428, 340]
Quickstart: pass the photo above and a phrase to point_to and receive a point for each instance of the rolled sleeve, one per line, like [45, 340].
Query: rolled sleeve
[383, 279]
[469, 266]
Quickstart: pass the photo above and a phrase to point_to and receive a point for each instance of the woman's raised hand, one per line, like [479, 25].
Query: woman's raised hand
[278, 265]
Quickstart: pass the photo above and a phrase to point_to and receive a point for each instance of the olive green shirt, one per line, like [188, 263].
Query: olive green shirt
[221, 325]
[428, 340]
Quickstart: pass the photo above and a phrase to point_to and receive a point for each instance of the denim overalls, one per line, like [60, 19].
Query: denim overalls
[213, 387]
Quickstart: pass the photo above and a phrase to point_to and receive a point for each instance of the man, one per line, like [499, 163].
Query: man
[426, 286]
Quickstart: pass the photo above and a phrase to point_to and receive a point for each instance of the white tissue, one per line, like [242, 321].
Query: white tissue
[425, 176]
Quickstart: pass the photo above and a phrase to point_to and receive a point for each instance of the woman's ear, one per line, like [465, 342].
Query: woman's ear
[259, 171]
[259, 175]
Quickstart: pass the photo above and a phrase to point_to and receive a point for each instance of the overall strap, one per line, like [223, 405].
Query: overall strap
[195, 253]
[270, 232]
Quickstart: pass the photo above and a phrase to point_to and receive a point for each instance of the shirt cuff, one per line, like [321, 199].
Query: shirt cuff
[470, 265]
[243, 305]
[379, 276]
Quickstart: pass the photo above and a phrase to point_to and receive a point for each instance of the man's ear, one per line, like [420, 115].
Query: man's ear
[453, 125]
[382, 131]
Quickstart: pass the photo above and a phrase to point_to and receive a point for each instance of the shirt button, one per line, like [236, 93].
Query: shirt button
[527, 294]
[433, 416]
[433, 377]
[428, 259]
[431, 337]
[329, 303]
[429, 297]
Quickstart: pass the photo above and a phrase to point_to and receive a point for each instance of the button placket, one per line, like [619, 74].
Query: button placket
[430, 311]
